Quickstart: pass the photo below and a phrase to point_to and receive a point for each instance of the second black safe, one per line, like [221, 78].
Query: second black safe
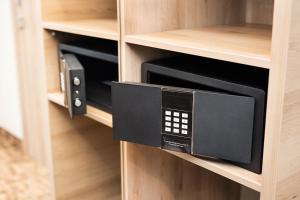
[195, 105]
[99, 60]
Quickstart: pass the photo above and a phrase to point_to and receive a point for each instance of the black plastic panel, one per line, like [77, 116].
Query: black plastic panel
[223, 126]
[136, 113]
[74, 69]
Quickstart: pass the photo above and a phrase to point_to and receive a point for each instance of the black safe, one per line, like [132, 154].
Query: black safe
[195, 105]
[91, 84]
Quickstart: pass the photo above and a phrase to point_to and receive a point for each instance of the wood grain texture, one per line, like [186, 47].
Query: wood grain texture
[237, 174]
[92, 112]
[248, 44]
[288, 169]
[100, 28]
[179, 14]
[168, 177]
[276, 92]
[259, 11]
[86, 159]
[33, 85]
[78, 9]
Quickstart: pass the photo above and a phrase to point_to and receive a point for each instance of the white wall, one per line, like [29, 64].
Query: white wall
[10, 109]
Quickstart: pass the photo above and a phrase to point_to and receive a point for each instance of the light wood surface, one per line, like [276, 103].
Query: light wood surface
[86, 159]
[288, 167]
[155, 174]
[276, 90]
[78, 10]
[31, 70]
[92, 112]
[241, 44]
[165, 15]
[237, 174]
[100, 28]
[259, 11]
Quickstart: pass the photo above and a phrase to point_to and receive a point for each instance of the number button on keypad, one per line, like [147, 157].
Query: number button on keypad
[184, 121]
[167, 112]
[176, 114]
[168, 123]
[184, 132]
[185, 115]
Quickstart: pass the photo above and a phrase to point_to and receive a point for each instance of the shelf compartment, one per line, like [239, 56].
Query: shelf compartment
[92, 112]
[232, 172]
[100, 28]
[249, 44]
[86, 160]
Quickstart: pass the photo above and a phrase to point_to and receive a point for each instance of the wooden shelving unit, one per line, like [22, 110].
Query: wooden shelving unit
[88, 164]
[85, 159]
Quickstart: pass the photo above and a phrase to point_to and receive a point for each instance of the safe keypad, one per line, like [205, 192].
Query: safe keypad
[176, 122]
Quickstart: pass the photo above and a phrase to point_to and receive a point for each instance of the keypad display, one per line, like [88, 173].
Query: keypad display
[176, 122]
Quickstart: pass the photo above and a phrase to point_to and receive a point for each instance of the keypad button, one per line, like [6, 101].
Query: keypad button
[184, 132]
[176, 130]
[176, 125]
[184, 126]
[176, 114]
[168, 118]
[167, 129]
[167, 112]
[175, 119]
[185, 115]
[168, 123]
[185, 121]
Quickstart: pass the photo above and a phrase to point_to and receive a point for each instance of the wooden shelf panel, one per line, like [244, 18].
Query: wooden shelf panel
[100, 28]
[92, 112]
[249, 44]
[235, 173]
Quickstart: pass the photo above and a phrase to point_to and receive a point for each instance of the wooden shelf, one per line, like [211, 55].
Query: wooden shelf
[100, 28]
[235, 173]
[92, 112]
[249, 44]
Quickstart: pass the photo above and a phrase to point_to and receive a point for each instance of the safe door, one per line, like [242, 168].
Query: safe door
[202, 123]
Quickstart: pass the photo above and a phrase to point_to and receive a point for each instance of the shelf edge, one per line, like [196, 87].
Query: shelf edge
[214, 54]
[255, 183]
[69, 29]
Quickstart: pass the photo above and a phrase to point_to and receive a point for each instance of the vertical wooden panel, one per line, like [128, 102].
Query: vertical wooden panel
[86, 161]
[161, 15]
[155, 174]
[277, 79]
[259, 11]
[288, 186]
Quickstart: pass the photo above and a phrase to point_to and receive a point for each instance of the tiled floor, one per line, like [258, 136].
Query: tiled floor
[20, 177]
